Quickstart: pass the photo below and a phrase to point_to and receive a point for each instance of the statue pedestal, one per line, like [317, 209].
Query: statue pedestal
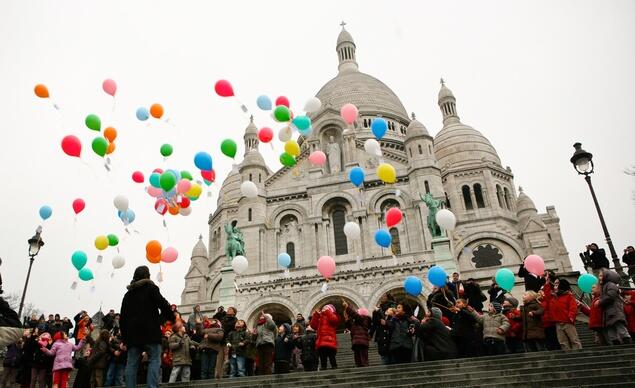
[442, 254]
[227, 291]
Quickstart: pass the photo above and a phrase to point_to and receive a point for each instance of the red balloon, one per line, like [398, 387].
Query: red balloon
[185, 203]
[158, 170]
[137, 176]
[223, 88]
[393, 217]
[265, 134]
[161, 206]
[282, 100]
[209, 175]
[78, 205]
[72, 146]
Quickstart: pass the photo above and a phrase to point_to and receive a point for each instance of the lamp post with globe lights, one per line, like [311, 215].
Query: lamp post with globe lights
[35, 243]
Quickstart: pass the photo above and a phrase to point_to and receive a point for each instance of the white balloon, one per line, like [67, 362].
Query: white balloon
[118, 262]
[249, 189]
[185, 211]
[313, 104]
[352, 231]
[121, 202]
[372, 147]
[240, 264]
[285, 133]
[446, 219]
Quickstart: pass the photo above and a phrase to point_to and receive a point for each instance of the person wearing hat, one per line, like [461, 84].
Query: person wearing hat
[62, 350]
[308, 354]
[358, 322]
[514, 334]
[325, 323]
[495, 325]
[143, 311]
[435, 336]
[563, 308]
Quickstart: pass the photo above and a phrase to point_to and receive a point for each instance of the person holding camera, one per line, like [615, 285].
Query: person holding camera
[629, 259]
[595, 258]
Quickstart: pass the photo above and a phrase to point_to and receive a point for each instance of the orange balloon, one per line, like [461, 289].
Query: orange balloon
[110, 133]
[41, 91]
[153, 249]
[153, 259]
[156, 110]
[111, 148]
[174, 210]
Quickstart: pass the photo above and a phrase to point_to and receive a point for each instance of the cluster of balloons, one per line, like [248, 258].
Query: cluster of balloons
[102, 242]
[79, 260]
[105, 145]
[156, 254]
[174, 190]
[125, 214]
[203, 161]
[156, 110]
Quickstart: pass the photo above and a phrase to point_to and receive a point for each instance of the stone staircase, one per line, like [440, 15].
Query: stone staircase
[592, 366]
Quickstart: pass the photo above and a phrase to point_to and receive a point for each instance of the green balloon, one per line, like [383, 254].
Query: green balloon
[79, 259]
[113, 240]
[186, 175]
[287, 160]
[229, 147]
[167, 181]
[93, 122]
[85, 274]
[100, 146]
[166, 150]
[282, 113]
[302, 122]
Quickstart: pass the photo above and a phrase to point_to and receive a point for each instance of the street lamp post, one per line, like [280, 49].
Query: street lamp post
[583, 164]
[35, 243]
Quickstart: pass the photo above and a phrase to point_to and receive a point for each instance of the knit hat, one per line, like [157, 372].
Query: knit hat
[497, 306]
[329, 307]
[513, 301]
[363, 312]
[142, 272]
[58, 336]
[436, 312]
[563, 285]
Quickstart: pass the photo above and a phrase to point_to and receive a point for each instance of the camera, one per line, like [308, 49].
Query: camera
[586, 259]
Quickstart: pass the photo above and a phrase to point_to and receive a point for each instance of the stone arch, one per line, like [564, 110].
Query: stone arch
[377, 198]
[340, 292]
[299, 211]
[335, 300]
[212, 287]
[395, 287]
[277, 306]
[352, 202]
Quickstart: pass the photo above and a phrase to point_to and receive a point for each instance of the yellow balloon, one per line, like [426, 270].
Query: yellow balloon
[387, 173]
[292, 148]
[101, 242]
[194, 191]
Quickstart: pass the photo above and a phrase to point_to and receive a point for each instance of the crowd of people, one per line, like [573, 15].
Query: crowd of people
[151, 342]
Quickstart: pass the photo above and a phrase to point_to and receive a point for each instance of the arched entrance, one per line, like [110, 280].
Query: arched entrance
[280, 314]
[398, 295]
[335, 300]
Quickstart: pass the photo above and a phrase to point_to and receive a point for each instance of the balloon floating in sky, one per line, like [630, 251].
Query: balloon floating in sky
[78, 205]
[413, 285]
[284, 260]
[356, 176]
[72, 146]
[109, 86]
[383, 238]
[156, 110]
[352, 230]
[228, 147]
[393, 216]
[85, 274]
[263, 102]
[93, 122]
[45, 212]
[282, 114]
[437, 276]
[313, 104]
[153, 251]
[292, 148]
[287, 160]
[265, 134]
[326, 266]
[349, 113]
[100, 146]
[282, 100]
[317, 158]
[137, 177]
[41, 91]
[169, 255]
[203, 161]
[121, 202]
[79, 259]
[223, 88]
[142, 114]
[240, 264]
[505, 279]
[446, 219]
[166, 150]
[387, 173]
[379, 126]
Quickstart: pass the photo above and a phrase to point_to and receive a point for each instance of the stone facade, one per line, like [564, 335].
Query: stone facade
[302, 210]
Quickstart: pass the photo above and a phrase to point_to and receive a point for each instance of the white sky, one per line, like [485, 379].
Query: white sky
[533, 76]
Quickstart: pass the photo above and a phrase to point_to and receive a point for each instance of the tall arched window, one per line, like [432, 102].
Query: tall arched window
[508, 199]
[420, 149]
[410, 150]
[499, 195]
[395, 246]
[427, 186]
[291, 252]
[339, 219]
[250, 177]
[259, 178]
[467, 199]
[447, 201]
[249, 214]
[478, 194]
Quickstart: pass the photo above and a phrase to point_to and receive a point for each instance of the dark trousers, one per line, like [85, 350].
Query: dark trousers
[551, 338]
[401, 355]
[494, 347]
[464, 346]
[361, 355]
[514, 345]
[249, 367]
[265, 356]
[329, 353]
[309, 366]
[534, 345]
[281, 366]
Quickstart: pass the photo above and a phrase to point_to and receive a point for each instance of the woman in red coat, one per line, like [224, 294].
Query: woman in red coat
[325, 324]
[629, 311]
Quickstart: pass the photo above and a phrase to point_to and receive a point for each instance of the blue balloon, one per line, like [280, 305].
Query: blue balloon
[413, 285]
[177, 174]
[505, 279]
[383, 238]
[203, 161]
[155, 180]
[127, 216]
[143, 114]
[284, 260]
[263, 102]
[379, 127]
[586, 282]
[45, 212]
[437, 276]
[356, 175]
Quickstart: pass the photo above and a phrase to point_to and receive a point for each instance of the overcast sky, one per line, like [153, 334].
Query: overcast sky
[534, 77]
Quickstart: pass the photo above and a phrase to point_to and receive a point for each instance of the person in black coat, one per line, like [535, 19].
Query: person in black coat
[473, 295]
[284, 348]
[379, 331]
[629, 259]
[532, 282]
[306, 344]
[598, 257]
[140, 324]
[496, 294]
[464, 330]
[438, 343]
[400, 336]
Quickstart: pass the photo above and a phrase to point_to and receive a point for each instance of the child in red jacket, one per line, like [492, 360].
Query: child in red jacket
[595, 314]
[629, 311]
[325, 323]
[563, 309]
[513, 337]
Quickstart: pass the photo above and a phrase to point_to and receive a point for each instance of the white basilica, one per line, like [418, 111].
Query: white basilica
[302, 210]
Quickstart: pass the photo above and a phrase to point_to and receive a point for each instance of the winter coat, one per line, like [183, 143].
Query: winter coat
[215, 339]
[595, 314]
[515, 323]
[229, 324]
[474, 296]
[381, 332]
[266, 332]
[610, 299]
[532, 282]
[629, 311]
[140, 321]
[80, 328]
[325, 324]
[191, 320]
[492, 322]
[235, 338]
[13, 357]
[38, 358]
[437, 340]
[358, 326]
[62, 350]
[10, 325]
[496, 294]
[99, 356]
[284, 344]
[629, 260]
[463, 324]
[400, 338]
[180, 347]
[562, 307]
[599, 259]
[114, 346]
[532, 325]
[306, 344]
[443, 299]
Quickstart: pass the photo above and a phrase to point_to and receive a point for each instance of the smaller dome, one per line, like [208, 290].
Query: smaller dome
[445, 92]
[230, 189]
[416, 129]
[345, 36]
[524, 205]
[199, 249]
[253, 158]
[251, 128]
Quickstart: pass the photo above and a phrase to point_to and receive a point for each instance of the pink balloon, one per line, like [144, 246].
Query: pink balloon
[154, 192]
[393, 217]
[535, 265]
[349, 113]
[110, 87]
[183, 186]
[169, 255]
[318, 158]
[78, 205]
[326, 266]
